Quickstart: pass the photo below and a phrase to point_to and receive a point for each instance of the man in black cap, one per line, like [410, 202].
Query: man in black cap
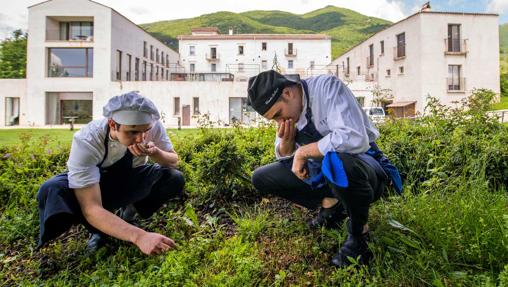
[320, 118]
[107, 170]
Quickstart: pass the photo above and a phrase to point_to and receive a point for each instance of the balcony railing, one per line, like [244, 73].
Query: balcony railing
[456, 46]
[399, 52]
[213, 57]
[370, 77]
[290, 52]
[369, 62]
[455, 84]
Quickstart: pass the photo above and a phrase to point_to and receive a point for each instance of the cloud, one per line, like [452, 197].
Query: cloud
[139, 10]
[497, 6]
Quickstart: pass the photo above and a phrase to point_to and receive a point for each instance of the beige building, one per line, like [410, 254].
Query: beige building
[76, 50]
[442, 54]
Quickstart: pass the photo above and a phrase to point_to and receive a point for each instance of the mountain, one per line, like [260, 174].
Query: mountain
[346, 27]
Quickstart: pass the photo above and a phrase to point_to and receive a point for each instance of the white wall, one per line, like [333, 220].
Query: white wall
[318, 51]
[426, 64]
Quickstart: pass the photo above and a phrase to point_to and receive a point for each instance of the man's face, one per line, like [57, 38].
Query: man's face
[129, 135]
[289, 106]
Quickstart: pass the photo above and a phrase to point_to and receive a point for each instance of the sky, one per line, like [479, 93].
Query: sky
[13, 13]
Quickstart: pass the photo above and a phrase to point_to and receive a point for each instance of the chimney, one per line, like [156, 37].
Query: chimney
[230, 31]
[426, 7]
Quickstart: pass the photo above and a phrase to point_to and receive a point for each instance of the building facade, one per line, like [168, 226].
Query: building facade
[439, 54]
[76, 49]
[240, 56]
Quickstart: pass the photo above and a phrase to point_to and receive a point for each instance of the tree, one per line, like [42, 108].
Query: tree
[13, 56]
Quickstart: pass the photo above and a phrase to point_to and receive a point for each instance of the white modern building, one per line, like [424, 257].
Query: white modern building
[239, 56]
[76, 50]
[442, 54]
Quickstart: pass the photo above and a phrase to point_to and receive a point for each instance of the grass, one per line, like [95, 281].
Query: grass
[502, 105]
[9, 137]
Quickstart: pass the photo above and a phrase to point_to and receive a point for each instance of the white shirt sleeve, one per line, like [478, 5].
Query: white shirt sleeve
[344, 119]
[82, 164]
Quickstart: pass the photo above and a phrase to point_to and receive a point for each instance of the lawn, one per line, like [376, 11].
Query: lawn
[9, 137]
[502, 105]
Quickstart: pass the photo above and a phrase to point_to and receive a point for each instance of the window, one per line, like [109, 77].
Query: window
[167, 75]
[388, 72]
[401, 45]
[136, 69]
[240, 67]
[358, 70]
[263, 46]
[401, 70]
[70, 62]
[382, 44]
[454, 78]
[290, 48]
[118, 65]
[157, 58]
[240, 50]
[192, 50]
[195, 105]
[11, 111]
[347, 66]
[167, 61]
[76, 31]
[453, 38]
[162, 58]
[151, 52]
[264, 65]
[143, 74]
[214, 68]
[213, 53]
[151, 71]
[145, 50]
[192, 67]
[176, 103]
[312, 65]
[371, 55]
[162, 73]
[290, 64]
[157, 73]
[129, 71]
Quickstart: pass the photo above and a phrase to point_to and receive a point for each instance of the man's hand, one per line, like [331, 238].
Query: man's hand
[286, 132]
[142, 149]
[299, 168]
[151, 243]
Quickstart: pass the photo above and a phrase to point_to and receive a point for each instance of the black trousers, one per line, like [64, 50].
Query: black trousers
[147, 187]
[365, 187]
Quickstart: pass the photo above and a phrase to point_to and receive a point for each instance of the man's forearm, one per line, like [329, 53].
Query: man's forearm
[164, 158]
[286, 150]
[111, 224]
[309, 151]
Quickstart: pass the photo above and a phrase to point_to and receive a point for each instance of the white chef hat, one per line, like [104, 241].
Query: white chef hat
[131, 109]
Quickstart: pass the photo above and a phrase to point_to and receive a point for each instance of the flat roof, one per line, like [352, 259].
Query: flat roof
[256, 37]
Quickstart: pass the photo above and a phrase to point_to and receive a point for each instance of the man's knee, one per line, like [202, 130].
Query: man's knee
[259, 179]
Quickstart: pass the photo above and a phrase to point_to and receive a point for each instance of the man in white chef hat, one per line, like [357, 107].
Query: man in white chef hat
[108, 170]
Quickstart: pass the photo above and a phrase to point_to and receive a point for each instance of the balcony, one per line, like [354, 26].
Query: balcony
[290, 52]
[72, 29]
[214, 58]
[399, 52]
[456, 47]
[456, 85]
[370, 62]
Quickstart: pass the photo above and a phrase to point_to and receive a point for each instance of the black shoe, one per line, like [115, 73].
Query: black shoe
[355, 247]
[329, 217]
[96, 241]
[129, 214]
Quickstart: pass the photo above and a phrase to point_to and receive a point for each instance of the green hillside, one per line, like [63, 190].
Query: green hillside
[345, 26]
[503, 37]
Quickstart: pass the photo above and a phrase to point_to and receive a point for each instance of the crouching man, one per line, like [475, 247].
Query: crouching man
[108, 170]
[326, 154]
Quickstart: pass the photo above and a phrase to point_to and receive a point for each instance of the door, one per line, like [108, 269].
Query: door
[186, 115]
[235, 110]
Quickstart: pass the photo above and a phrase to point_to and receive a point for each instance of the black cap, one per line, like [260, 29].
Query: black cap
[265, 89]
